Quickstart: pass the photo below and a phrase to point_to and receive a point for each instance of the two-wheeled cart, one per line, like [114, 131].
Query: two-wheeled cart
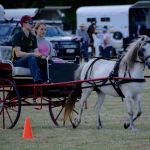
[18, 91]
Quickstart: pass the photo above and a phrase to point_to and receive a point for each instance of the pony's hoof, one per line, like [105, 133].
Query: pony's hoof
[135, 130]
[126, 125]
[99, 127]
[74, 126]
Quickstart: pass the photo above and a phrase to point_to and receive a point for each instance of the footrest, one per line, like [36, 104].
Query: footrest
[62, 72]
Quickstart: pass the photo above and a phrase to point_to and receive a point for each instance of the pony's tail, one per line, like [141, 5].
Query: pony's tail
[73, 96]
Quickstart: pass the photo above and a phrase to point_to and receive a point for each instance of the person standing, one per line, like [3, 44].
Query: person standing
[91, 31]
[106, 44]
[82, 32]
[97, 36]
[26, 53]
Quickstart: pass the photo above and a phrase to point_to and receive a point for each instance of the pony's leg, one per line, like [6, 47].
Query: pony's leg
[85, 94]
[130, 111]
[137, 99]
[138, 113]
[100, 100]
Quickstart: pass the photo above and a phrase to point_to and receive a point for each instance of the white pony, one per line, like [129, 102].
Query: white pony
[130, 66]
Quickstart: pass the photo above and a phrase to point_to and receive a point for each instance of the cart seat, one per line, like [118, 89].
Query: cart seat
[5, 56]
[21, 71]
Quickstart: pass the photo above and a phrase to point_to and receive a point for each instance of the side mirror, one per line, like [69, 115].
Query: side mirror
[117, 35]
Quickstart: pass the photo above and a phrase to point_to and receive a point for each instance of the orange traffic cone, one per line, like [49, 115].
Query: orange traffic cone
[27, 132]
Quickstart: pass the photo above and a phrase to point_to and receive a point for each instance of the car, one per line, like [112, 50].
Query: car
[66, 45]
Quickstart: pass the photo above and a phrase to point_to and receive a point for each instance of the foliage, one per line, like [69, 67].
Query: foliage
[71, 14]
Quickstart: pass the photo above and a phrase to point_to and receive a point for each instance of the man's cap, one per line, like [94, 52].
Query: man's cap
[93, 22]
[25, 19]
[81, 25]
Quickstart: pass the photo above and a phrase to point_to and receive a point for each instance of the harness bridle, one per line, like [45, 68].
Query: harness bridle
[147, 58]
[141, 55]
[116, 83]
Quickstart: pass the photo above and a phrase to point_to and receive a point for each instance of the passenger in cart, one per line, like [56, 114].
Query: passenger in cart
[45, 47]
[25, 51]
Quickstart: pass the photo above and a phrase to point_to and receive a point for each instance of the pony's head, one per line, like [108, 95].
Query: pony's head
[138, 49]
[144, 54]
[143, 40]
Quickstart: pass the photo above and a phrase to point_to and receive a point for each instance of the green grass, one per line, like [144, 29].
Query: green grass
[112, 136]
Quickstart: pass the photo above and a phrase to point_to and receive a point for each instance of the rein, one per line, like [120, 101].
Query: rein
[147, 58]
[90, 67]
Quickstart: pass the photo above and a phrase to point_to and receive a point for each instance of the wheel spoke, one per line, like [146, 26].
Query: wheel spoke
[56, 107]
[1, 106]
[59, 113]
[3, 118]
[74, 114]
[10, 108]
[8, 115]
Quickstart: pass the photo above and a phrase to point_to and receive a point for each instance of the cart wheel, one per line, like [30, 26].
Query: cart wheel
[56, 110]
[10, 104]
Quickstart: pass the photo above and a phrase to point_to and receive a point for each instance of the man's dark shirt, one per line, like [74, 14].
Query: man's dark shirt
[27, 44]
[90, 31]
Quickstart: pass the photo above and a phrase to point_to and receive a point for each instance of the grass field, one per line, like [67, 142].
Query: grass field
[112, 136]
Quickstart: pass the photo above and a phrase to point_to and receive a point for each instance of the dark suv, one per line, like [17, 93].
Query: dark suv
[66, 45]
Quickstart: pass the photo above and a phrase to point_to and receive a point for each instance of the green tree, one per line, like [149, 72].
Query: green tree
[70, 14]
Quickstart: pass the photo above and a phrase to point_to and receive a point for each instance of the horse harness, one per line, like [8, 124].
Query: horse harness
[111, 78]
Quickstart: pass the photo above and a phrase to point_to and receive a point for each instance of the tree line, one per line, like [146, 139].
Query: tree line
[70, 14]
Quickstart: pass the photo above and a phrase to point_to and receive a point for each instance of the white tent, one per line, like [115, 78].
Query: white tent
[53, 13]
[16, 14]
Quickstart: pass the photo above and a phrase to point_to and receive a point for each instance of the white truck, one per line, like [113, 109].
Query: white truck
[2, 12]
[129, 20]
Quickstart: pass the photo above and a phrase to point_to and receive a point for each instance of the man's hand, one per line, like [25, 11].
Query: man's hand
[43, 57]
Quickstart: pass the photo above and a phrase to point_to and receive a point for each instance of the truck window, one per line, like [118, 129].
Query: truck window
[105, 19]
[4, 30]
[91, 19]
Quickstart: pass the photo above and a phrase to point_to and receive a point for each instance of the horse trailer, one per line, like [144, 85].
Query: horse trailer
[130, 20]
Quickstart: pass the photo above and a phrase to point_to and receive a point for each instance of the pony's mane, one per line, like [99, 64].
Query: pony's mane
[131, 54]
